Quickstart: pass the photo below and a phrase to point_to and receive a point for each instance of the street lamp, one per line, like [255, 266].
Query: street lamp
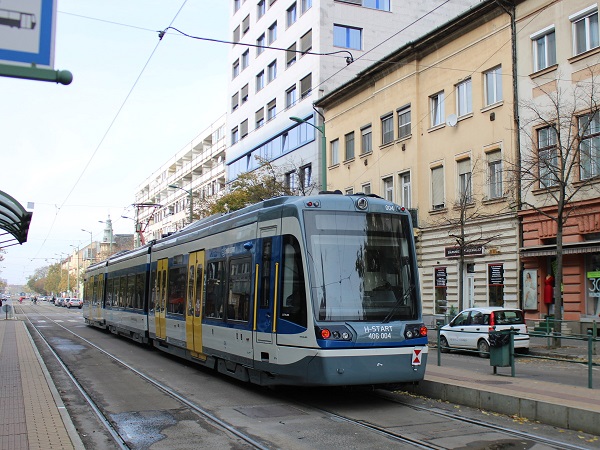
[190, 193]
[321, 129]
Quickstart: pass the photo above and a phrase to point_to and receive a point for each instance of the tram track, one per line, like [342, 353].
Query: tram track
[398, 432]
[119, 440]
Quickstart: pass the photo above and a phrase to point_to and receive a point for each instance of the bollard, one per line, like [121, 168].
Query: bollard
[439, 347]
[590, 360]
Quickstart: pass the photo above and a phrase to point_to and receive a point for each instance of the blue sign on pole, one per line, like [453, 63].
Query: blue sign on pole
[27, 32]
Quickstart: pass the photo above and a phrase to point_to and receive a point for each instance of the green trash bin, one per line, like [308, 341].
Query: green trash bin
[500, 348]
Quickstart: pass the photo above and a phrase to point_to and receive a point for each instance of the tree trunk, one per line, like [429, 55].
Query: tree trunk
[558, 281]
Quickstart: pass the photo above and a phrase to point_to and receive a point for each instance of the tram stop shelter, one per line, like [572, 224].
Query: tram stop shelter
[14, 221]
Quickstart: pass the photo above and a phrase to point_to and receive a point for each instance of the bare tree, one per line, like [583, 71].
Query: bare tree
[559, 158]
[465, 223]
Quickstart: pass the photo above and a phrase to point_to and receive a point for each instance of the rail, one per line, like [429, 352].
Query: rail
[590, 339]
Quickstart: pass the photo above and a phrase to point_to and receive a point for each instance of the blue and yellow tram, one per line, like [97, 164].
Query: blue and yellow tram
[311, 291]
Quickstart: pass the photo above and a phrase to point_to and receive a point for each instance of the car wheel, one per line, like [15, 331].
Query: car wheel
[68, 306]
[484, 348]
[444, 347]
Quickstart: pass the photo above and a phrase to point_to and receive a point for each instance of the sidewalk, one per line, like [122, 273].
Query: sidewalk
[32, 415]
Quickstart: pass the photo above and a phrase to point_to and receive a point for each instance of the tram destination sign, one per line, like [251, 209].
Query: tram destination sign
[469, 250]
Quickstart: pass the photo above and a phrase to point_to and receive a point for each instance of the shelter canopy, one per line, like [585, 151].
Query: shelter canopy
[14, 220]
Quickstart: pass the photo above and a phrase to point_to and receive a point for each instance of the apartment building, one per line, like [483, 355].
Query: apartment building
[289, 53]
[430, 127]
[168, 199]
[559, 65]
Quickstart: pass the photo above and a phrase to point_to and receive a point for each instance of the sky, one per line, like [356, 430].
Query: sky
[79, 152]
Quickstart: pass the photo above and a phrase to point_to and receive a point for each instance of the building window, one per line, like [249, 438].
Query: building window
[305, 175]
[260, 9]
[366, 188]
[271, 109]
[585, 30]
[387, 129]
[235, 68]
[306, 86]
[437, 188]
[544, 49]
[236, 5]
[290, 55]
[290, 97]
[347, 37]
[495, 173]
[272, 33]
[290, 181]
[236, 35]
[464, 98]
[335, 152]
[589, 148]
[235, 101]
[493, 86]
[244, 94]
[306, 42]
[349, 141]
[259, 118]
[292, 15]
[260, 42]
[349, 191]
[234, 135]
[260, 80]
[306, 5]
[383, 5]
[272, 71]
[246, 24]
[436, 109]
[464, 181]
[244, 129]
[405, 189]
[388, 189]
[366, 144]
[547, 156]
[404, 122]
[245, 59]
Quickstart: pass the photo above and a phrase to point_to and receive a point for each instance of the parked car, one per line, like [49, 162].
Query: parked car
[74, 303]
[470, 329]
[59, 301]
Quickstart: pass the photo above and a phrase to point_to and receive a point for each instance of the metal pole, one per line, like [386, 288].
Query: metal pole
[323, 157]
[590, 360]
[191, 205]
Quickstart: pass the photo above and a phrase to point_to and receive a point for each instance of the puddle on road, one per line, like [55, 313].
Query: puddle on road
[142, 429]
[66, 345]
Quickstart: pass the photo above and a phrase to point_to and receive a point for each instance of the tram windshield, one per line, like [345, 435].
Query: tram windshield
[362, 266]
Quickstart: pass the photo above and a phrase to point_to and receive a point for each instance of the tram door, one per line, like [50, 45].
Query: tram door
[161, 300]
[193, 315]
[266, 286]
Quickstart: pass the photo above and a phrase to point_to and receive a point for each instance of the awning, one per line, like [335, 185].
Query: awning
[570, 248]
[14, 220]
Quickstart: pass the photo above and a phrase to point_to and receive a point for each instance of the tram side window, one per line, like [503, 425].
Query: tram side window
[214, 290]
[238, 298]
[100, 289]
[122, 292]
[177, 284]
[109, 292]
[130, 291]
[198, 299]
[153, 290]
[293, 298]
[140, 283]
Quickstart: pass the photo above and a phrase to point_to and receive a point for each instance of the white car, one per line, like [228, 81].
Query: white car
[470, 329]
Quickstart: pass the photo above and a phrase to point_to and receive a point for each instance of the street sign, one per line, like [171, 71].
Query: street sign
[27, 32]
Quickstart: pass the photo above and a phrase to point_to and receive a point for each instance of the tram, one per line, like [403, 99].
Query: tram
[309, 291]
[17, 19]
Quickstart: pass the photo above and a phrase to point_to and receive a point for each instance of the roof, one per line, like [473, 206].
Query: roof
[14, 220]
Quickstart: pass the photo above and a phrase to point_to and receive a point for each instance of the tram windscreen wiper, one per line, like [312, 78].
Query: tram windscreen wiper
[400, 302]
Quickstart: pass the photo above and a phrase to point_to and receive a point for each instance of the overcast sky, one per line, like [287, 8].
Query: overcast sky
[71, 152]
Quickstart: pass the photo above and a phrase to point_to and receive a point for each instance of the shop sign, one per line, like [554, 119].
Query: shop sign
[594, 278]
[469, 250]
[440, 277]
[496, 274]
